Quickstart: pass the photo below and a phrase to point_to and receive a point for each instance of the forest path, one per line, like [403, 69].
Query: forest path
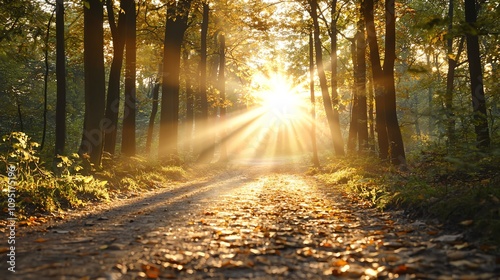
[255, 220]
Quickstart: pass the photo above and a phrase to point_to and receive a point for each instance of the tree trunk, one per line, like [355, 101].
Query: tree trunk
[338, 142]
[189, 103]
[327, 102]
[222, 89]
[315, 159]
[113, 98]
[152, 117]
[129, 109]
[361, 84]
[60, 142]
[371, 119]
[476, 78]
[380, 119]
[46, 81]
[19, 113]
[93, 43]
[388, 131]
[205, 149]
[354, 122]
[450, 76]
[396, 147]
[176, 24]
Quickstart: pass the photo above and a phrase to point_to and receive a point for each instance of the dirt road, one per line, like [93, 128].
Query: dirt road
[257, 221]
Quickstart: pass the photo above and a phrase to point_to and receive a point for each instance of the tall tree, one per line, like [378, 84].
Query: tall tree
[113, 98]
[315, 159]
[338, 142]
[207, 151]
[354, 122]
[93, 58]
[61, 80]
[476, 77]
[360, 81]
[46, 80]
[452, 64]
[327, 101]
[175, 27]
[388, 132]
[190, 102]
[222, 89]
[129, 109]
[154, 109]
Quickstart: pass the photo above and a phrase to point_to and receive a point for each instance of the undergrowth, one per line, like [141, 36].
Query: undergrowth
[37, 189]
[461, 191]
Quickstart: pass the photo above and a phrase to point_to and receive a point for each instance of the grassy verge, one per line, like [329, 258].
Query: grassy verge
[461, 191]
[38, 190]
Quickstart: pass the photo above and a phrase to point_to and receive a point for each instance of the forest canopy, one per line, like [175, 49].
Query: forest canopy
[206, 79]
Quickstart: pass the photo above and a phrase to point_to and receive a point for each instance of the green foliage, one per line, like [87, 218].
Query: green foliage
[451, 189]
[39, 189]
[137, 173]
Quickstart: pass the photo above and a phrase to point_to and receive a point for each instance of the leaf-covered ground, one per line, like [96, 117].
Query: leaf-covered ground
[250, 222]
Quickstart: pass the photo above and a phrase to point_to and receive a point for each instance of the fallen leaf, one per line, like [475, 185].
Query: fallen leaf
[449, 238]
[151, 271]
[339, 263]
[466, 222]
[401, 269]
[465, 263]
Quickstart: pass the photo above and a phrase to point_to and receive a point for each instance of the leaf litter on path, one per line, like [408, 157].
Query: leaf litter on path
[266, 226]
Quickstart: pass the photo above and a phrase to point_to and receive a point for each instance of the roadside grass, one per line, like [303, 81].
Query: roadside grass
[461, 191]
[39, 190]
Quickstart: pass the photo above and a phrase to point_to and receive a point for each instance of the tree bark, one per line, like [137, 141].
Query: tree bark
[206, 150]
[396, 147]
[315, 159]
[338, 142]
[92, 136]
[113, 98]
[450, 76]
[354, 122]
[327, 102]
[190, 103]
[175, 27]
[46, 81]
[129, 109]
[222, 89]
[152, 116]
[60, 142]
[380, 119]
[361, 84]
[476, 78]
[388, 131]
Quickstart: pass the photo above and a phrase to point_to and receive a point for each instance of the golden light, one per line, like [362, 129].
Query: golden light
[275, 125]
[278, 97]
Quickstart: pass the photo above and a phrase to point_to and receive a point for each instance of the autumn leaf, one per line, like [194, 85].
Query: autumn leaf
[401, 269]
[151, 271]
[466, 222]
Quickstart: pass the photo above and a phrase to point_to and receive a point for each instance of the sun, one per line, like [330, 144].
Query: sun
[278, 97]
